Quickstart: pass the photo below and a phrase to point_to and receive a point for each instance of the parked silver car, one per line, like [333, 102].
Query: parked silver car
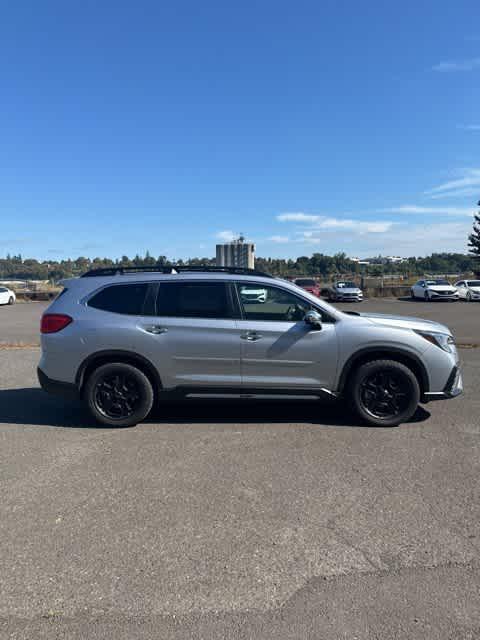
[345, 291]
[121, 339]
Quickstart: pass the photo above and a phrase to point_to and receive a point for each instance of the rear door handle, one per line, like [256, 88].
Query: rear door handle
[251, 336]
[156, 329]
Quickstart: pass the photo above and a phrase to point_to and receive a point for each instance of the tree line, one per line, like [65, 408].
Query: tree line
[18, 268]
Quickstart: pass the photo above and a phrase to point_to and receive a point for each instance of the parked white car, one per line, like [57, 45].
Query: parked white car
[253, 295]
[429, 290]
[468, 290]
[7, 296]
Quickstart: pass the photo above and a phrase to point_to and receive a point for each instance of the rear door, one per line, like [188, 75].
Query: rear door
[193, 339]
[279, 350]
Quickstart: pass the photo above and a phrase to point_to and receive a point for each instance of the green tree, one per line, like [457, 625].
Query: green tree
[474, 237]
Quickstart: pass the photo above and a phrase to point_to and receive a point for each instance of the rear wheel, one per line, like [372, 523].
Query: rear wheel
[412, 295]
[118, 395]
[11, 300]
[427, 297]
[469, 297]
[384, 393]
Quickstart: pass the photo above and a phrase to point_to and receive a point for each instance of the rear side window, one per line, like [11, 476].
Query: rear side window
[194, 300]
[127, 299]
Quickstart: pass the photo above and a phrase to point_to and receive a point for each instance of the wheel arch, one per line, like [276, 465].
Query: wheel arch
[407, 358]
[117, 355]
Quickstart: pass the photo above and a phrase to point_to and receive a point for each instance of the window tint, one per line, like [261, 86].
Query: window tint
[262, 302]
[3, 290]
[127, 299]
[193, 300]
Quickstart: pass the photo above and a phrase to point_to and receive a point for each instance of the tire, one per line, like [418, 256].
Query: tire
[118, 395]
[384, 393]
[412, 295]
[469, 297]
[11, 300]
[427, 297]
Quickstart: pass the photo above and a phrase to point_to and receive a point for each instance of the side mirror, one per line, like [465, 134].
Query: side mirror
[313, 319]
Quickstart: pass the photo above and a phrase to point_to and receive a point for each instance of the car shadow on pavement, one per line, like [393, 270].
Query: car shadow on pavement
[417, 300]
[32, 406]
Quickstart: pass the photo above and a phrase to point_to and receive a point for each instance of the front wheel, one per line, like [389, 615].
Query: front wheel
[11, 300]
[469, 297]
[118, 395]
[384, 393]
[427, 297]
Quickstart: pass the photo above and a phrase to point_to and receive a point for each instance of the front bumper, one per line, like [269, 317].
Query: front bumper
[355, 298]
[443, 296]
[453, 388]
[56, 387]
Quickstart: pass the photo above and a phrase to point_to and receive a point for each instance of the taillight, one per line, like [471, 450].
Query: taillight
[54, 322]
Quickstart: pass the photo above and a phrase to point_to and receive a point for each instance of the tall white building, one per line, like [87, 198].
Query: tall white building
[236, 254]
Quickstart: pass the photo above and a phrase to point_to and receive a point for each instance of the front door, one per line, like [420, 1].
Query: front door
[279, 350]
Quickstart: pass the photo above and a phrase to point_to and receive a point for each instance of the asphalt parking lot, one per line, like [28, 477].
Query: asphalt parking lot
[238, 520]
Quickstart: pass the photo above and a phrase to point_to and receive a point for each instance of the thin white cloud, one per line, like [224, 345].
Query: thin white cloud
[226, 236]
[457, 65]
[332, 224]
[406, 240]
[470, 192]
[298, 216]
[439, 211]
[467, 183]
[419, 239]
[469, 127]
[279, 239]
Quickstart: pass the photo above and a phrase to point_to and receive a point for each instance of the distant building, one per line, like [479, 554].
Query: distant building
[395, 259]
[236, 254]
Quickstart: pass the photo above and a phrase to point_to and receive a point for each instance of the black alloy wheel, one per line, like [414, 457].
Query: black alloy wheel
[118, 394]
[384, 392]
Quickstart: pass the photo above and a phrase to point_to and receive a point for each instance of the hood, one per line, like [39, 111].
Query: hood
[406, 322]
[441, 287]
[349, 289]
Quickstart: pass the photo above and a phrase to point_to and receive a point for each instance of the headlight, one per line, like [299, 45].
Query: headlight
[442, 340]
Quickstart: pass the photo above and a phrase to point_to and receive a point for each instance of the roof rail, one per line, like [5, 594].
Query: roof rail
[172, 269]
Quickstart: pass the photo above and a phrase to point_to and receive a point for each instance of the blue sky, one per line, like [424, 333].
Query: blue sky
[308, 126]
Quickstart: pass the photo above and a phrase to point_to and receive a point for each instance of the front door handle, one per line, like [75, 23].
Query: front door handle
[156, 329]
[251, 336]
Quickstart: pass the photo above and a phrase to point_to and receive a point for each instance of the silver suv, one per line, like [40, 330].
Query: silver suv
[123, 339]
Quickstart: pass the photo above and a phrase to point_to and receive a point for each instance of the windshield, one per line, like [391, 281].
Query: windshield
[305, 283]
[432, 283]
[473, 283]
[346, 285]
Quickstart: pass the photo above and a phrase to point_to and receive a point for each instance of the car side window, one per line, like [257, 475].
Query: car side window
[263, 302]
[126, 299]
[194, 300]
[3, 290]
